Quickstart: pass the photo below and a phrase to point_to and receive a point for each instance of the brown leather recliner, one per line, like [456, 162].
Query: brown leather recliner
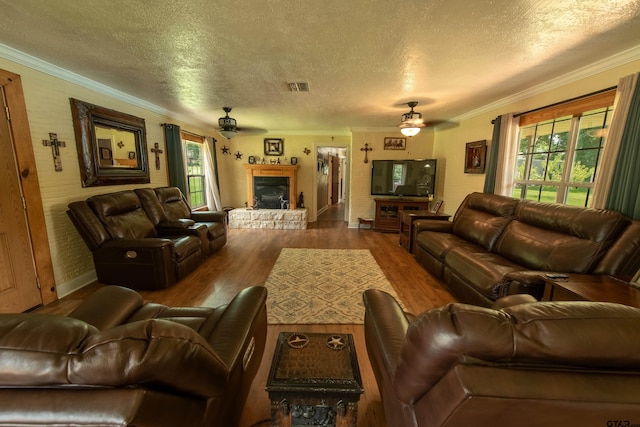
[532, 364]
[127, 248]
[116, 361]
[167, 207]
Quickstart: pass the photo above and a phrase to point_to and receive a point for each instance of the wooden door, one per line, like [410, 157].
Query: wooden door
[18, 283]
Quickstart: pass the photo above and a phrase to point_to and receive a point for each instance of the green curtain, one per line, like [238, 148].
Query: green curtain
[492, 163]
[624, 194]
[174, 155]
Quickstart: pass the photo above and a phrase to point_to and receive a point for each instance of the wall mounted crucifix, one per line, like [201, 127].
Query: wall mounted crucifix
[157, 151]
[366, 150]
[55, 149]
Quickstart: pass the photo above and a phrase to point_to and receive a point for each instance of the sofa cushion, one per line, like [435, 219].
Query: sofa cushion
[173, 203]
[554, 237]
[438, 244]
[482, 217]
[122, 215]
[482, 270]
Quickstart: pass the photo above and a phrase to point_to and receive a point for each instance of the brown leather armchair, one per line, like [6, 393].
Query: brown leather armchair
[523, 363]
[116, 361]
[127, 248]
[168, 209]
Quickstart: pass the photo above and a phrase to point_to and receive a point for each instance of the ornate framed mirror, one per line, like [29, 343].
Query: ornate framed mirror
[112, 146]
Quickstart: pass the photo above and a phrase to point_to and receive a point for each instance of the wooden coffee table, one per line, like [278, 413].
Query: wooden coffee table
[314, 380]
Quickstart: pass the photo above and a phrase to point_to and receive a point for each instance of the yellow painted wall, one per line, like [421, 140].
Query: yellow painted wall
[361, 201]
[48, 109]
[450, 143]
[47, 100]
[233, 181]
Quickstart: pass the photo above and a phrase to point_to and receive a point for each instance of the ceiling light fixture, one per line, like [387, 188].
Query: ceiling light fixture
[411, 121]
[227, 124]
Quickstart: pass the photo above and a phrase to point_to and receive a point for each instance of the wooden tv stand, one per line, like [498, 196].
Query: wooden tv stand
[389, 212]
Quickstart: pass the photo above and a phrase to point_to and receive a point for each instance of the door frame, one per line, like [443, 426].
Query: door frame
[26, 164]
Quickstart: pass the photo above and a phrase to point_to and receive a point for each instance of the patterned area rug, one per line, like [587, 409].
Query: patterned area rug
[312, 286]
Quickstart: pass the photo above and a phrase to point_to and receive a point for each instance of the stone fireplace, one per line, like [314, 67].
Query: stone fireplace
[271, 185]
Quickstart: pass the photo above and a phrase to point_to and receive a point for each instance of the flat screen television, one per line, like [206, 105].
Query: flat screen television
[411, 178]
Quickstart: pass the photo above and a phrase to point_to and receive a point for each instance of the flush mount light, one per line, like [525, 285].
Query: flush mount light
[411, 121]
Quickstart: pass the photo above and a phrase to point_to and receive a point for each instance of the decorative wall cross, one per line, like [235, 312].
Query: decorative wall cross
[55, 149]
[366, 150]
[157, 151]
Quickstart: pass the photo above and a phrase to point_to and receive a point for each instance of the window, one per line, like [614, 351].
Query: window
[559, 153]
[195, 169]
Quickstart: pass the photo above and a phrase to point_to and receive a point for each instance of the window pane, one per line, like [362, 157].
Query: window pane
[560, 134]
[195, 174]
[584, 165]
[592, 129]
[548, 194]
[578, 196]
[518, 190]
[526, 136]
[543, 139]
[521, 162]
[555, 166]
[538, 166]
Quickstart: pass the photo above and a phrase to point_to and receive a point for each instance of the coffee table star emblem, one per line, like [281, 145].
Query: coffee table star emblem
[336, 342]
[297, 340]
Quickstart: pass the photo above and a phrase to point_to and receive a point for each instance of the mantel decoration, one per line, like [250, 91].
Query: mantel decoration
[395, 143]
[273, 146]
[475, 156]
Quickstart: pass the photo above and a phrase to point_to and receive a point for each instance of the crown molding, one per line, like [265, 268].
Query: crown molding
[71, 77]
[603, 65]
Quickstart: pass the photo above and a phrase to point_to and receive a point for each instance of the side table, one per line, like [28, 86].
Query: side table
[406, 225]
[589, 287]
[314, 380]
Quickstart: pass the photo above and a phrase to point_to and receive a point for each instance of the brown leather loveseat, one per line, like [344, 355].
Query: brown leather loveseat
[116, 361]
[146, 238]
[497, 245]
[533, 364]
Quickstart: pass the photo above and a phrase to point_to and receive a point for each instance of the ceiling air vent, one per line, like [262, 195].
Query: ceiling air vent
[298, 86]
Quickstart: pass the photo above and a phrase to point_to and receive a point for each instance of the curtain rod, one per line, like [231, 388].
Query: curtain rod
[562, 102]
[183, 131]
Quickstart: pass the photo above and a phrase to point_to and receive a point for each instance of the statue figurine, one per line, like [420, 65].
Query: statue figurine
[301, 200]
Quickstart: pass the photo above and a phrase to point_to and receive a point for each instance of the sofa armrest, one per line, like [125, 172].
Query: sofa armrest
[178, 223]
[242, 321]
[385, 329]
[511, 300]
[108, 307]
[523, 282]
[209, 216]
[432, 225]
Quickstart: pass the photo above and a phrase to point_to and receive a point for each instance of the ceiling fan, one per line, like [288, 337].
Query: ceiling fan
[411, 121]
[228, 127]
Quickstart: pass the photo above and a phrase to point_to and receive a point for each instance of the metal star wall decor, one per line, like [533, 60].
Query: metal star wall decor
[238, 155]
[225, 150]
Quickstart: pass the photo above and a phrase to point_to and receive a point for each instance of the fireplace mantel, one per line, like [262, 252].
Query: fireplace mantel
[290, 171]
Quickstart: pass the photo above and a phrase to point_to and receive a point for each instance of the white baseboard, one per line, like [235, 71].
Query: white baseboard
[79, 282]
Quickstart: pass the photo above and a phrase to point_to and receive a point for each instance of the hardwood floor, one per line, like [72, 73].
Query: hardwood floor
[247, 260]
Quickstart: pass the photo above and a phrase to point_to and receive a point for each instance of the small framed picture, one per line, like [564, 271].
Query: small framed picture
[395, 143]
[475, 156]
[252, 160]
[294, 160]
[273, 146]
[435, 207]
[105, 153]
[132, 155]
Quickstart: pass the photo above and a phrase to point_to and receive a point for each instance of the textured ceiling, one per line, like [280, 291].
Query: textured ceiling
[361, 58]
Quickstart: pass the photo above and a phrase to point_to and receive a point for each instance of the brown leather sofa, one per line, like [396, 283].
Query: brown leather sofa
[497, 245]
[116, 361]
[143, 245]
[167, 206]
[532, 364]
